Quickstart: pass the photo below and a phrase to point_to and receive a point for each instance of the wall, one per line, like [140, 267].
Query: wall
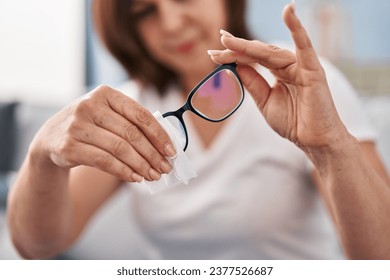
[357, 38]
[366, 48]
[42, 50]
[368, 22]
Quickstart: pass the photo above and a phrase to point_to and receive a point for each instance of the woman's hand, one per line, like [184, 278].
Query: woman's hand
[299, 105]
[109, 131]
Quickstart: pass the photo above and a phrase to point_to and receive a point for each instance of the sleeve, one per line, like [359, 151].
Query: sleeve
[348, 104]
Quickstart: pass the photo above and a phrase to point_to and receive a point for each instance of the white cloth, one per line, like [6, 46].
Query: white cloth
[182, 168]
[253, 197]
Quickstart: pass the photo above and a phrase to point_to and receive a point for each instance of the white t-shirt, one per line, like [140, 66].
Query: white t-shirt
[253, 197]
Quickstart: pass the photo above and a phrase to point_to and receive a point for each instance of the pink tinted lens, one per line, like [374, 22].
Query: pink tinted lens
[218, 96]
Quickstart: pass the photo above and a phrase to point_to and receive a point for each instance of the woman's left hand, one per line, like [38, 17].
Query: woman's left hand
[299, 105]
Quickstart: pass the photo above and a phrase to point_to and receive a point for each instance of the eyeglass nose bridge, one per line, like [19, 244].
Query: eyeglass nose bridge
[179, 115]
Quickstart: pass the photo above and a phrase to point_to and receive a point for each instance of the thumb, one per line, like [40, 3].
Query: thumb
[255, 84]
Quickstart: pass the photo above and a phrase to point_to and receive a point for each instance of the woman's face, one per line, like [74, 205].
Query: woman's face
[178, 33]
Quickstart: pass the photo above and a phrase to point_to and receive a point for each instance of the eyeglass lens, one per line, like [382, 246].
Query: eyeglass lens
[219, 96]
[215, 99]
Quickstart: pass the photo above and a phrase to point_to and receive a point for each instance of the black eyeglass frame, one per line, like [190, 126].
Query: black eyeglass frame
[188, 106]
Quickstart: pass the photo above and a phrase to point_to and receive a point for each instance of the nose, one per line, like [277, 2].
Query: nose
[171, 16]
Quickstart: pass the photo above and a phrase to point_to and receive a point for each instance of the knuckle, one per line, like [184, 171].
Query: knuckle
[66, 145]
[100, 119]
[103, 160]
[257, 44]
[99, 93]
[273, 48]
[82, 107]
[119, 147]
[124, 172]
[66, 151]
[143, 116]
[74, 128]
[132, 133]
[101, 90]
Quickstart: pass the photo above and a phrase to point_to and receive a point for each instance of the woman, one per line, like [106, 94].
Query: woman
[253, 197]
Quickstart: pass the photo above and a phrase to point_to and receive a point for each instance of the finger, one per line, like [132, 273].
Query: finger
[228, 56]
[305, 52]
[100, 159]
[142, 118]
[267, 55]
[119, 148]
[135, 137]
[255, 84]
[288, 74]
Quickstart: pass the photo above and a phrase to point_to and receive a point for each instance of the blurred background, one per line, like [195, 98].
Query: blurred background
[49, 55]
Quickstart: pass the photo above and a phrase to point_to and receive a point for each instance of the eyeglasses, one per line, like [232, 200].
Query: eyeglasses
[214, 99]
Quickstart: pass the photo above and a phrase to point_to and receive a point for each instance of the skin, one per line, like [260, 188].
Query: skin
[178, 33]
[83, 153]
[76, 161]
[349, 175]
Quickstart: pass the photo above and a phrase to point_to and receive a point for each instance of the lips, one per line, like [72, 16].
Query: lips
[185, 47]
[184, 43]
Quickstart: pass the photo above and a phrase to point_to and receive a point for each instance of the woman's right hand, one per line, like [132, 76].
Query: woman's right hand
[107, 130]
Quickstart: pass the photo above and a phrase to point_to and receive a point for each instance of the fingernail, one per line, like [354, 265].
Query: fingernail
[293, 5]
[138, 178]
[154, 174]
[225, 33]
[170, 150]
[165, 167]
[214, 52]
